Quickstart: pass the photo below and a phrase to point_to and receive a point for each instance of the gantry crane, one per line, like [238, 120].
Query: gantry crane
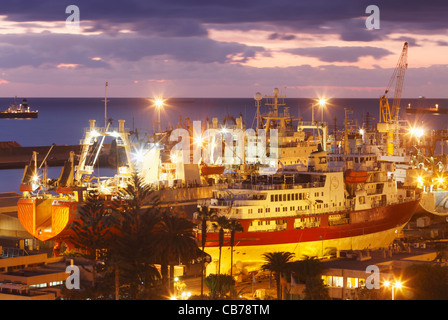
[389, 117]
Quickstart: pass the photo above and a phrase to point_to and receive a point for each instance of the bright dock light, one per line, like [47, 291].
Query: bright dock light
[158, 102]
[393, 286]
[322, 102]
[418, 132]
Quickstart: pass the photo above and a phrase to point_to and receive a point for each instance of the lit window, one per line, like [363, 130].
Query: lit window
[352, 283]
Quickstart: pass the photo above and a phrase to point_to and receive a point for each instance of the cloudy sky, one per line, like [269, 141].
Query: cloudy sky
[220, 48]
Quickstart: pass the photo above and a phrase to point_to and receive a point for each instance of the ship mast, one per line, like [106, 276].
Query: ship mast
[105, 105]
[258, 98]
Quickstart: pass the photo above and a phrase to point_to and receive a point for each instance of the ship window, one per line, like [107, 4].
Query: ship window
[289, 197]
[300, 196]
[272, 198]
[276, 197]
[260, 210]
[268, 209]
[362, 200]
[297, 196]
[284, 197]
[285, 209]
[277, 209]
[249, 210]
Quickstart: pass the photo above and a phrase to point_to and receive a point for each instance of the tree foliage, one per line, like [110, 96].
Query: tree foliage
[133, 235]
[219, 285]
[426, 282]
[278, 264]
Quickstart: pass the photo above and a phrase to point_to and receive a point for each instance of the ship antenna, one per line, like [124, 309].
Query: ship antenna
[105, 105]
[258, 98]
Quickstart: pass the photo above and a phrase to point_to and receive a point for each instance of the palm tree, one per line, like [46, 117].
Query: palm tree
[132, 253]
[204, 214]
[234, 226]
[221, 223]
[278, 263]
[176, 242]
[91, 229]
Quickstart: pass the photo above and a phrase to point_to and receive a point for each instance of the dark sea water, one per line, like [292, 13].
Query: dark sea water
[63, 120]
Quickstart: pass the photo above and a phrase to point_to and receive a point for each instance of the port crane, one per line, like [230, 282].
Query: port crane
[389, 116]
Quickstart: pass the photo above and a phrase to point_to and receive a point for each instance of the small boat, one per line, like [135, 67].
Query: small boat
[207, 170]
[352, 176]
[19, 111]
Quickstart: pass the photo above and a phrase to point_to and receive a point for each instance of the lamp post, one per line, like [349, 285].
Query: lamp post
[158, 103]
[322, 103]
[394, 285]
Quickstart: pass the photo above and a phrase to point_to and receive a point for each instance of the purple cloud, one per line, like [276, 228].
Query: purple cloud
[340, 54]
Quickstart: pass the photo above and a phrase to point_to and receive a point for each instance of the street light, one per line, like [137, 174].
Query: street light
[418, 132]
[394, 285]
[322, 102]
[159, 103]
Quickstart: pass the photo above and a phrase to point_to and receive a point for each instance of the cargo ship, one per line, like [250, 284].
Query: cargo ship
[49, 206]
[19, 111]
[431, 110]
[310, 213]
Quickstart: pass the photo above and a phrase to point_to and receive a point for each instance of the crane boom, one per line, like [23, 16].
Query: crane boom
[386, 114]
[389, 118]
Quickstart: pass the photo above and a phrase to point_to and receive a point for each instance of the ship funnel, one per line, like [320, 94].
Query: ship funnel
[239, 123]
[120, 125]
[92, 124]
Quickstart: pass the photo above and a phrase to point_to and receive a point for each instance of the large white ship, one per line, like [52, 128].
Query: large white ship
[312, 213]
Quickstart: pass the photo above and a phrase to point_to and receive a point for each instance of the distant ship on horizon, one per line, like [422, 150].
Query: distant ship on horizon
[19, 111]
[428, 110]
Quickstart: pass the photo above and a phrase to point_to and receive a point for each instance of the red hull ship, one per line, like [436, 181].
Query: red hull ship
[314, 213]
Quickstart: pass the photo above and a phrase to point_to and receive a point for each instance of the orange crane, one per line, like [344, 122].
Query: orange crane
[389, 117]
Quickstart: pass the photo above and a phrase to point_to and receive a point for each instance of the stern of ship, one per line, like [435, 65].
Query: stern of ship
[45, 218]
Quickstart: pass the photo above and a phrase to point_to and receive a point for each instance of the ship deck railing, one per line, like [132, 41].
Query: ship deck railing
[280, 186]
[234, 203]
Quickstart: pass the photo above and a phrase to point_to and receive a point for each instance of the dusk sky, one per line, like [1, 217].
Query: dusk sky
[220, 48]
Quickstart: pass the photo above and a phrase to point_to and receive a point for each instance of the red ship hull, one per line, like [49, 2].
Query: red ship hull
[361, 223]
[364, 229]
